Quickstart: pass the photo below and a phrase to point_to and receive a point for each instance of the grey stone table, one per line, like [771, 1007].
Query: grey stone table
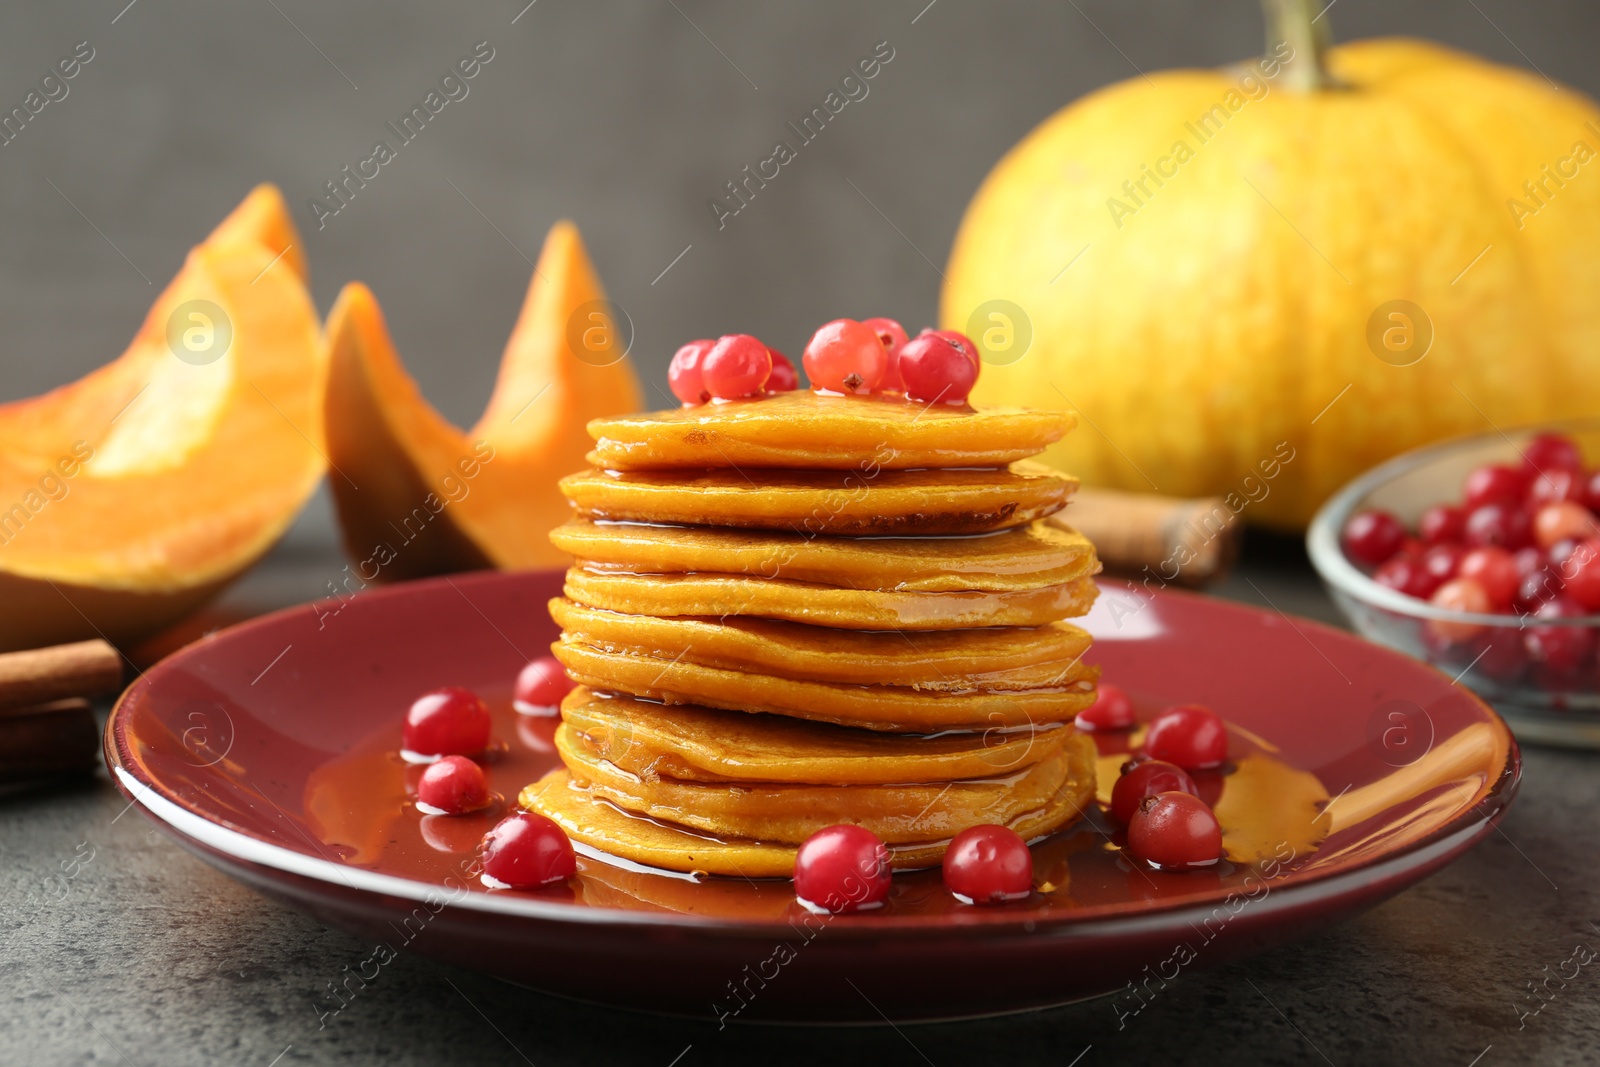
[118, 947]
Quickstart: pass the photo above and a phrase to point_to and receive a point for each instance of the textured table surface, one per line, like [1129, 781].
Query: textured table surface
[121, 948]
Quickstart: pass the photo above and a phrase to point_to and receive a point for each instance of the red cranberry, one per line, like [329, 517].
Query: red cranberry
[960, 340]
[1494, 483]
[1460, 594]
[526, 851]
[1554, 487]
[541, 685]
[1562, 522]
[1560, 552]
[988, 865]
[1495, 570]
[738, 365]
[1559, 649]
[1591, 490]
[842, 868]
[1440, 523]
[933, 369]
[844, 356]
[1528, 559]
[1441, 562]
[1582, 574]
[447, 722]
[1503, 657]
[1536, 588]
[1373, 536]
[1500, 524]
[1190, 735]
[1552, 452]
[684, 373]
[1144, 779]
[453, 786]
[784, 378]
[1175, 831]
[1407, 575]
[1111, 710]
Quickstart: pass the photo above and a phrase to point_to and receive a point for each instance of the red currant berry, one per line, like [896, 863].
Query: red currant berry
[1111, 710]
[1549, 452]
[1146, 778]
[1494, 483]
[1495, 570]
[1440, 523]
[960, 340]
[842, 868]
[933, 369]
[1581, 574]
[1461, 594]
[526, 851]
[1190, 735]
[1175, 831]
[447, 722]
[737, 366]
[1406, 574]
[1561, 522]
[784, 379]
[684, 372]
[1500, 524]
[1553, 487]
[892, 336]
[1373, 536]
[541, 684]
[453, 786]
[845, 356]
[988, 865]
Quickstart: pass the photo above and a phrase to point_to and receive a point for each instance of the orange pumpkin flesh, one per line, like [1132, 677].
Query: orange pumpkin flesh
[131, 496]
[417, 496]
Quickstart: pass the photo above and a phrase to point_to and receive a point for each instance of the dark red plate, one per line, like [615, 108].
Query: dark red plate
[268, 751]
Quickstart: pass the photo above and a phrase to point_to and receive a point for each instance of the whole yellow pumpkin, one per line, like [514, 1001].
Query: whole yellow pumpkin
[1263, 280]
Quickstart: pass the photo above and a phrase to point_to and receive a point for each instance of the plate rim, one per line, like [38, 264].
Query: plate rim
[214, 835]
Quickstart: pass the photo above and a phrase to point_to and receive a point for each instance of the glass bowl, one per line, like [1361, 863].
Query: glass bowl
[1487, 653]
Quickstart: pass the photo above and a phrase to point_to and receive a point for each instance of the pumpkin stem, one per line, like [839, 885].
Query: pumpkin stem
[1302, 26]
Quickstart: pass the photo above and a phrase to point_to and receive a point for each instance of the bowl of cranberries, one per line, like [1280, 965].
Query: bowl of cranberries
[1482, 557]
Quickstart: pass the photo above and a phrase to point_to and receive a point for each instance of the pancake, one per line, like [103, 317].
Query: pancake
[695, 744]
[930, 659]
[791, 812]
[810, 432]
[1025, 557]
[874, 707]
[889, 502]
[603, 827]
[719, 595]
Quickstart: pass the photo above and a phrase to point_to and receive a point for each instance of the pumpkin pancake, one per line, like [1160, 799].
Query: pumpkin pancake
[694, 744]
[1025, 557]
[889, 502]
[792, 812]
[874, 707]
[930, 659]
[720, 595]
[803, 430]
[601, 826]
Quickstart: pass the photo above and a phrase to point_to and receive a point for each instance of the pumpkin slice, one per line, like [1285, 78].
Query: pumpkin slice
[1027, 557]
[894, 709]
[130, 497]
[697, 744]
[938, 659]
[920, 502]
[599, 825]
[826, 605]
[417, 496]
[800, 429]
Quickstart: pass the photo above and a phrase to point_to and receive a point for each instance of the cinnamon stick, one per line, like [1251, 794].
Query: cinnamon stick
[41, 675]
[1182, 542]
[61, 737]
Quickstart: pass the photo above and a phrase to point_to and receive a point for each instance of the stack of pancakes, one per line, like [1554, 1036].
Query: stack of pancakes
[804, 610]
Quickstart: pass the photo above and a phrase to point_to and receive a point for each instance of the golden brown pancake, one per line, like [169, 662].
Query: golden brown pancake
[719, 595]
[695, 744]
[874, 707]
[935, 659]
[598, 824]
[1026, 557]
[890, 503]
[803, 430]
[791, 812]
